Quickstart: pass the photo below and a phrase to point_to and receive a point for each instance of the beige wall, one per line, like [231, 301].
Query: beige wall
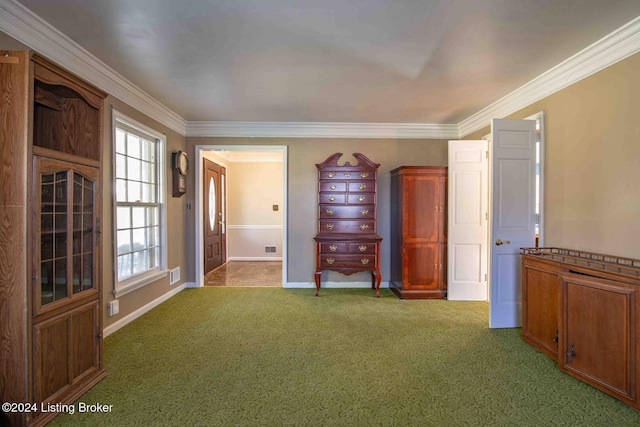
[133, 301]
[302, 186]
[252, 190]
[592, 162]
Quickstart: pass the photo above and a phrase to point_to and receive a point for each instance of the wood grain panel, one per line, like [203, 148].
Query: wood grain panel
[84, 327]
[51, 339]
[600, 329]
[13, 294]
[72, 128]
[422, 266]
[14, 111]
[14, 96]
[52, 75]
[540, 307]
[420, 215]
[47, 130]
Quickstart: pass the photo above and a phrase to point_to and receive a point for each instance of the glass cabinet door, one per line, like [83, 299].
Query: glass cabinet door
[66, 221]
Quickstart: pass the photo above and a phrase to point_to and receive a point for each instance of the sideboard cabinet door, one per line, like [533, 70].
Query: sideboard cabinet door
[598, 334]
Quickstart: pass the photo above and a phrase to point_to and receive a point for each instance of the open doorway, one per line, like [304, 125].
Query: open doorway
[256, 210]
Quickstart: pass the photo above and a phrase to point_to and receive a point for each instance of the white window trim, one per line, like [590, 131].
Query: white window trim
[138, 281]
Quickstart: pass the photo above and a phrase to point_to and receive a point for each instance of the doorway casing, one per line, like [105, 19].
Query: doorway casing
[199, 249]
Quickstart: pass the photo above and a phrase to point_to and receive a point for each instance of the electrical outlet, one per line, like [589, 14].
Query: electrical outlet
[270, 249]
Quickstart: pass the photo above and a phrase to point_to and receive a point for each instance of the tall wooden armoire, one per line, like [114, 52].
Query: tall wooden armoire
[50, 209]
[419, 232]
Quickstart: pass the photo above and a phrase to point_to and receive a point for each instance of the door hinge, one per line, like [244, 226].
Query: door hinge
[486, 154]
[486, 216]
[485, 277]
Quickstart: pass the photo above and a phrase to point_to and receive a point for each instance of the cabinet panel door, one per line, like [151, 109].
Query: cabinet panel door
[84, 342]
[421, 266]
[51, 357]
[540, 309]
[599, 330]
[66, 351]
[421, 212]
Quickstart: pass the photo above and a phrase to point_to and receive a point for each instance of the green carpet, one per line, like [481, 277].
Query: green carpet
[280, 357]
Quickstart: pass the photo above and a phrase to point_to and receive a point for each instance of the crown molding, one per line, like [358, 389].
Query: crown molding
[28, 28]
[618, 45]
[31, 30]
[321, 130]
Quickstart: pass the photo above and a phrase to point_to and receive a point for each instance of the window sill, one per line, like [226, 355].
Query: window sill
[139, 283]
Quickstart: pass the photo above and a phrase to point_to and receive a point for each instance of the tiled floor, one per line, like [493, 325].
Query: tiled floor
[246, 273]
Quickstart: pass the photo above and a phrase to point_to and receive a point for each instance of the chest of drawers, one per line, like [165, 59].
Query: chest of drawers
[347, 241]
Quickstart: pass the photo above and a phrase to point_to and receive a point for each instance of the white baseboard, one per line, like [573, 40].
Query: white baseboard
[249, 258]
[142, 310]
[334, 285]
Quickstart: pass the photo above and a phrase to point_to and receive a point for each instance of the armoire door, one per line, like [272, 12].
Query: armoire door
[214, 226]
[422, 215]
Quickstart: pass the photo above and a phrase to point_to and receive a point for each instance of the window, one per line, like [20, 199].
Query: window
[139, 205]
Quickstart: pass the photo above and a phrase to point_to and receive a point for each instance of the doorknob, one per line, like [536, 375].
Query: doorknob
[503, 242]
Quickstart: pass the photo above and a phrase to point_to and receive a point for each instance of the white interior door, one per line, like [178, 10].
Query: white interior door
[467, 235]
[513, 196]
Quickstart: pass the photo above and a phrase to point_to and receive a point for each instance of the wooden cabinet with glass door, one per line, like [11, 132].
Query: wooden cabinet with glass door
[55, 345]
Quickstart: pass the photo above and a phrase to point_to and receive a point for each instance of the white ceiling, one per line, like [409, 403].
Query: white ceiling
[350, 61]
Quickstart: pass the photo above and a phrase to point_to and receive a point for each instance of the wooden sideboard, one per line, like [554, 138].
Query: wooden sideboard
[582, 310]
[347, 241]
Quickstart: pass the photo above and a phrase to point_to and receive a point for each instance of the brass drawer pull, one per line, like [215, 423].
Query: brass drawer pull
[333, 187]
[364, 212]
[332, 199]
[364, 261]
[363, 186]
[361, 199]
[330, 175]
[329, 211]
[364, 174]
[347, 174]
[333, 248]
[330, 260]
[364, 226]
[329, 226]
[362, 248]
